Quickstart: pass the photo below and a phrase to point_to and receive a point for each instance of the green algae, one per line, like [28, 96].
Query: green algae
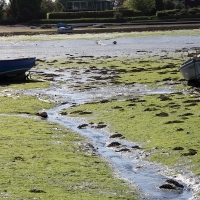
[42, 160]
[160, 123]
[22, 105]
[150, 71]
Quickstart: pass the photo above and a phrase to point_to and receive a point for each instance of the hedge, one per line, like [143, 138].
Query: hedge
[73, 21]
[93, 14]
[177, 13]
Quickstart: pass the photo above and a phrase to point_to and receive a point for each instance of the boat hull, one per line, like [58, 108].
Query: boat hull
[190, 70]
[15, 68]
[64, 30]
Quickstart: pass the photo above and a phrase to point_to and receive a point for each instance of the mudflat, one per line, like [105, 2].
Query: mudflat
[108, 28]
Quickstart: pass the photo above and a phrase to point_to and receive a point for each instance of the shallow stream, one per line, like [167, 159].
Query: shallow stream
[147, 176]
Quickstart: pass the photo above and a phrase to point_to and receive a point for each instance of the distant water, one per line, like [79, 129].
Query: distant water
[125, 47]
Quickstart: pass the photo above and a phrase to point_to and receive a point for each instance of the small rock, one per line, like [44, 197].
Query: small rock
[179, 129]
[37, 191]
[104, 101]
[167, 186]
[123, 150]
[113, 144]
[63, 113]
[82, 126]
[162, 114]
[164, 97]
[191, 152]
[136, 147]
[43, 114]
[178, 148]
[100, 126]
[175, 183]
[116, 135]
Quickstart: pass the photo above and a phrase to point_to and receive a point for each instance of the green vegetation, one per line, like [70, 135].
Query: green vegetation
[92, 14]
[129, 70]
[165, 125]
[145, 6]
[36, 11]
[160, 123]
[178, 13]
[41, 160]
[29, 84]
[14, 104]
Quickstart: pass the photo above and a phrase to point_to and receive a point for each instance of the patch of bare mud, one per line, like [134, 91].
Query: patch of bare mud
[42, 46]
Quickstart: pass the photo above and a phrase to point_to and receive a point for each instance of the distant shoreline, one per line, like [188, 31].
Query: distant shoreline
[26, 30]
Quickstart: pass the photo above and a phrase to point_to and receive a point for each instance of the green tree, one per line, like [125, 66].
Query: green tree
[145, 6]
[2, 8]
[159, 5]
[47, 6]
[169, 5]
[179, 5]
[60, 5]
[23, 10]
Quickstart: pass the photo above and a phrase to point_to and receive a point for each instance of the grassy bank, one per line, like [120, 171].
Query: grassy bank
[42, 160]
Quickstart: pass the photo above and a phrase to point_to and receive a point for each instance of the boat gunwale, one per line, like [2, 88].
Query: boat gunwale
[18, 59]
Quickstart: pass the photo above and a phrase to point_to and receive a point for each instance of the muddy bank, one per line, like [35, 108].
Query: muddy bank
[83, 29]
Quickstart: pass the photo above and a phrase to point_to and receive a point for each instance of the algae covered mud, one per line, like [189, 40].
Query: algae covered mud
[104, 89]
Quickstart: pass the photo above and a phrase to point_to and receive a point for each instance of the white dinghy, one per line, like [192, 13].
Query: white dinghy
[190, 69]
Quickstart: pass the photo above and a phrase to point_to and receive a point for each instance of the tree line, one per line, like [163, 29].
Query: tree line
[24, 11]
[19, 11]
